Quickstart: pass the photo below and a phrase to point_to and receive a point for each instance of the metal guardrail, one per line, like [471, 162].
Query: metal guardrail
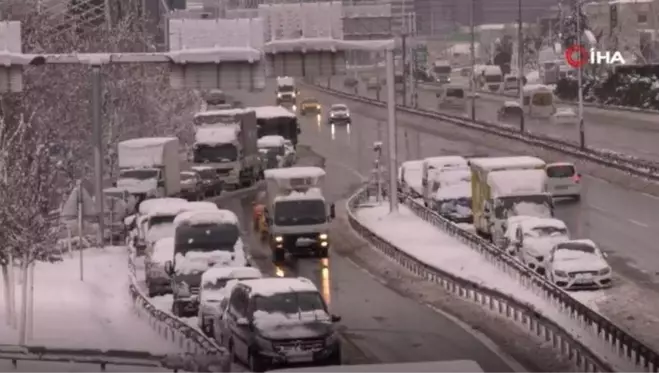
[629, 349]
[594, 105]
[632, 165]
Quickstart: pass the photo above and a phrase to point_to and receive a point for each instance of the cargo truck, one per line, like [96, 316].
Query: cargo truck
[286, 92]
[277, 121]
[481, 194]
[297, 214]
[226, 140]
[149, 167]
[431, 167]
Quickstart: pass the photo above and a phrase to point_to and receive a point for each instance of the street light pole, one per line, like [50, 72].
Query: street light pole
[520, 65]
[473, 59]
[582, 134]
[391, 129]
[97, 142]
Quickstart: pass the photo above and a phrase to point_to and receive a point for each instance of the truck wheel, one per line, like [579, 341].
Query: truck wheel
[278, 256]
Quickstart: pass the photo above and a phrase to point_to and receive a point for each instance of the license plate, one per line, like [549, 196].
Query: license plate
[304, 357]
[584, 279]
[561, 187]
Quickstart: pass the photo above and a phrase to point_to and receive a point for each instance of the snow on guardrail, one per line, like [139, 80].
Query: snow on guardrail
[634, 166]
[625, 348]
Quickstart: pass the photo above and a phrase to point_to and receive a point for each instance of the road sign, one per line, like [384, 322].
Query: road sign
[70, 209]
[11, 76]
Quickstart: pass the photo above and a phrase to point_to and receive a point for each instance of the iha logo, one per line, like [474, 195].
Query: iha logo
[577, 56]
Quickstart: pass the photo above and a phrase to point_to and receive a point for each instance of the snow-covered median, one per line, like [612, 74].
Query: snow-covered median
[94, 313]
[437, 249]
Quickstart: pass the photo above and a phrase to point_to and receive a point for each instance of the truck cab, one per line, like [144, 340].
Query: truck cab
[277, 121]
[149, 167]
[287, 92]
[297, 213]
[203, 239]
[225, 140]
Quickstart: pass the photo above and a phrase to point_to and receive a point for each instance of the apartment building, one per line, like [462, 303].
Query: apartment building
[630, 26]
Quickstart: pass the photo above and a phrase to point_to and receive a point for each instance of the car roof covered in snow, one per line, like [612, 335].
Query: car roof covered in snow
[215, 135]
[267, 112]
[278, 285]
[201, 206]
[294, 172]
[271, 141]
[455, 191]
[221, 273]
[151, 204]
[202, 217]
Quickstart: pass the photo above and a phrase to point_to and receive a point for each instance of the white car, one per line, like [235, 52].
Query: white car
[536, 237]
[563, 180]
[212, 292]
[339, 114]
[565, 115]
[578, 264]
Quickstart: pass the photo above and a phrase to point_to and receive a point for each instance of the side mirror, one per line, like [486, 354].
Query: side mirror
[335, 318]
[169, 267]
[332, 211]
[242, 321]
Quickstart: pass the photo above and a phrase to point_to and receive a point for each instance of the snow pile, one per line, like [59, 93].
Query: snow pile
[439, 250]
[217, 135]
[96, 313]
[163, 250]
[310, 194]
[201, 217]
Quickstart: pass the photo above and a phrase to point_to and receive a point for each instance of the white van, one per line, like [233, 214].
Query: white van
[538, 101]
[409, 178]
[563, 180]
[452, 96]
[510, 82]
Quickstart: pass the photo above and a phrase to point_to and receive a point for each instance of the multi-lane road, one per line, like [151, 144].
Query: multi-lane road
[621, 221]
[625, 132]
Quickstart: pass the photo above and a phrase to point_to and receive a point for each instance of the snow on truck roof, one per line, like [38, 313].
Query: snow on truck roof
[267, 112]
[516, 182]
[146, 142]
[294, 172]
[151, 204]
[214, 274]
[200, 217]
[278, 285]
[215, 135]
[163, 250]
[455, 191]
[309, 194]
[450, 160]
[534, 222]
[502, 163]
[270, 141]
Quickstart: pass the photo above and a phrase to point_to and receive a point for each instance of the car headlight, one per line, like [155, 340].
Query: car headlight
[279, 95]
[560, 273]
[279, 239]
[332, 114]
[604, 271]
[332, 339]
[263, 343]
[323, 236]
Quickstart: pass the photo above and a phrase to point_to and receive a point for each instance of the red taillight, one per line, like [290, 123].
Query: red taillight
[576, 178]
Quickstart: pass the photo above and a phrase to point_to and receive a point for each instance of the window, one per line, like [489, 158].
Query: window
[560, 171]
[642, 18]
[542, 99]
[238, 302]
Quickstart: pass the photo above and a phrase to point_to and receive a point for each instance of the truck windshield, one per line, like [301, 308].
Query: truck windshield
[141, 174]
[285, 127]
[493, 78]
[206, 237]
[538, 205]
[286, 88]
[291, 303]
[455, 92]
[160, 227]
[215, 153]
[300, 212]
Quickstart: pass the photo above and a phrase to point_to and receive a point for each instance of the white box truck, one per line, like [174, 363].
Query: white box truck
[226, 140]
[297, 213]
[149, 167]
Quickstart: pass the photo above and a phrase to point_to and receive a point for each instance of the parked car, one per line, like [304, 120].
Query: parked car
[157, 280]
[563, 180]
[191, 186]
[510, 110]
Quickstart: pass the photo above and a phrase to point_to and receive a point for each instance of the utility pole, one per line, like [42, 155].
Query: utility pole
[582, 132]
[403, 38]
[473, 59]
[520, 65]
[97, 131]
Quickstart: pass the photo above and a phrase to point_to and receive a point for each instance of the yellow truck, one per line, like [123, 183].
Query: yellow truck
[481, 194]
